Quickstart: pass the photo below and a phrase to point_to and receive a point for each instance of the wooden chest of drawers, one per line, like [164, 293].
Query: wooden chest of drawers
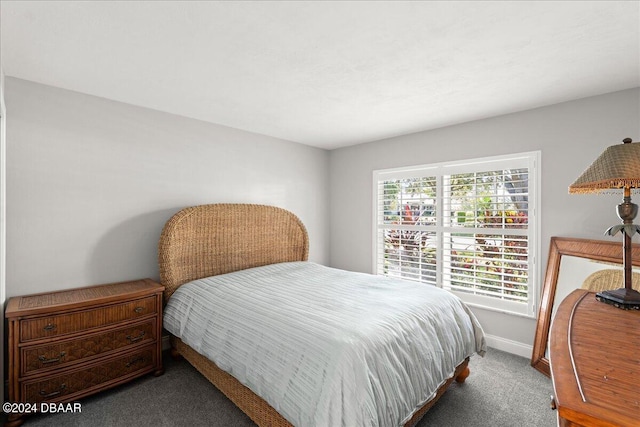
[69, 344]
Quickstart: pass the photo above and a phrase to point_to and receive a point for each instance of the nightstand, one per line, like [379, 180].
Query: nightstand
[69, 344]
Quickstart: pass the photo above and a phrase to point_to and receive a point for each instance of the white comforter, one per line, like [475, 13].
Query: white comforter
[327, 347]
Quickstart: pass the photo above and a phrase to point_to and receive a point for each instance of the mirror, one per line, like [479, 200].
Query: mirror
[570, 262]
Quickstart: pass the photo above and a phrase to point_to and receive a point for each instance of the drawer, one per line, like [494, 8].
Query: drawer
[83, 381]
[52, 326]
[35, 359]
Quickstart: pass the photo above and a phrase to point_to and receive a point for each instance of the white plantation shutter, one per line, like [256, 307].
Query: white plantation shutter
[469, 227]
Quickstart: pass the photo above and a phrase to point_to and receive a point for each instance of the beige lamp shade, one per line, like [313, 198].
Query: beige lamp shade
[617, 167]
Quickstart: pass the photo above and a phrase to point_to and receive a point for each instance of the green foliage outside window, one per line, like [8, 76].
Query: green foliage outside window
[493, 262]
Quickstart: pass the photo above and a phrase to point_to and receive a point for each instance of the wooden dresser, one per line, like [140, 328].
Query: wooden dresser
[595, 363]
[69, 344]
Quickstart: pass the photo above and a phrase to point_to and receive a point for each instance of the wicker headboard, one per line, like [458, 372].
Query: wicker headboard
[208, 240]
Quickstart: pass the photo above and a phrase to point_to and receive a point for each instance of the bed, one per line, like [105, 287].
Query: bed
[227, 266]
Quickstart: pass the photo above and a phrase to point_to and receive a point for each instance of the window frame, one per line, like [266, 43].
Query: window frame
[530, 160]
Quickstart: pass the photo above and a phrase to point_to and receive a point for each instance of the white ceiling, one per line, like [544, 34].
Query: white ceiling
[327, 74]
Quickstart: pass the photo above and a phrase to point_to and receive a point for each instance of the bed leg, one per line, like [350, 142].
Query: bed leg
[175, 355]
[462, 376]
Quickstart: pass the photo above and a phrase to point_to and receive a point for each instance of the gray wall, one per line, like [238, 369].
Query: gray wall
[569, 135]
[91, 182]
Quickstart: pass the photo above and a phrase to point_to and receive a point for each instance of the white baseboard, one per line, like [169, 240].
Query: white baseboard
[510, 346]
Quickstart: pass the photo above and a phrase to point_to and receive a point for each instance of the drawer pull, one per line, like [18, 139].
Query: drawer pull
[138, 309]
[135, 339]
[44, 359]
[134, 361]
[53, 393]
[50, 327]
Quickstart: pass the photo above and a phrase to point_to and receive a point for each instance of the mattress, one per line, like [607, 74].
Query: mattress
[327, 347]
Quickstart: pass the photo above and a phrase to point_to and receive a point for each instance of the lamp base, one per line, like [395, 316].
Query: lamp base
[626, 299]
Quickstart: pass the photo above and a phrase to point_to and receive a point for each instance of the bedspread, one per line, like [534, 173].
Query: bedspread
[327, 347]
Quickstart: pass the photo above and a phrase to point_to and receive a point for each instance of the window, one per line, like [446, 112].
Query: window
[469, 227]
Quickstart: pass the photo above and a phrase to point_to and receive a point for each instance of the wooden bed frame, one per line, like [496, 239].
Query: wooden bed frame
[208, 240]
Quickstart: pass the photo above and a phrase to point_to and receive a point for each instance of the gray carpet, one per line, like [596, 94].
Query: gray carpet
[502, 390]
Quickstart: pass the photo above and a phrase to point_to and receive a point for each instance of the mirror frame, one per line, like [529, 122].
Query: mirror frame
[598, 250]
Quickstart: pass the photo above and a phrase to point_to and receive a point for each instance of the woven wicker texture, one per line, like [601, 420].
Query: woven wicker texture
[86, 347]
[208, 240]
[617, 167]
[609, 279]
[81, 380]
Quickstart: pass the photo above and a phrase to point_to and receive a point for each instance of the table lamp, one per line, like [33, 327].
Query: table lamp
[617, 168]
